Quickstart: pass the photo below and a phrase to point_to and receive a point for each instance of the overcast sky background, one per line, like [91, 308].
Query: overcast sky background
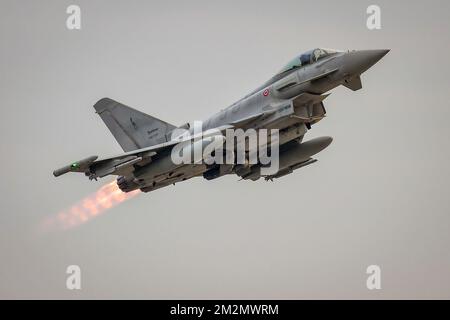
[378, 195]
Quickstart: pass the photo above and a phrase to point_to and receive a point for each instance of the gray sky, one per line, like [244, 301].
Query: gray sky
[378, 195]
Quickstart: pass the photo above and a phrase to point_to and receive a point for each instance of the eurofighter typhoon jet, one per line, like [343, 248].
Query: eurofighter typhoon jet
[291, 101]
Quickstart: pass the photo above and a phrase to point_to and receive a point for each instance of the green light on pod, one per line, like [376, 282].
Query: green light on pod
[74, 165]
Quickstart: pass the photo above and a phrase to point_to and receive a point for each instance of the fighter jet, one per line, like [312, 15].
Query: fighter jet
[291, 101]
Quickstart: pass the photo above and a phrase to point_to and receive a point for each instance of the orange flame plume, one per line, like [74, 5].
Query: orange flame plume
[107, 197]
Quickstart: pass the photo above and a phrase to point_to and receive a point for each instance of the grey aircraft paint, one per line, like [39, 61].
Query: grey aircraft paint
[291, 101]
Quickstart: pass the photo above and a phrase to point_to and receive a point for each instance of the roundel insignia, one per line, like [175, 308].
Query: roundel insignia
[266, 92]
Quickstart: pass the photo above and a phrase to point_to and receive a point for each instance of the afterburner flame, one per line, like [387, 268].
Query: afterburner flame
[107, 197]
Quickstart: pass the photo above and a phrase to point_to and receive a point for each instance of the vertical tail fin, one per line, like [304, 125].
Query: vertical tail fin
[131, 128]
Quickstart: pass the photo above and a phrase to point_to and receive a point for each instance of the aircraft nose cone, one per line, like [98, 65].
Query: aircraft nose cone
[373, 56]
[362, 60]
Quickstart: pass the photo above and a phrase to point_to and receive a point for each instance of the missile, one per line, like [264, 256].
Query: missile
[289, 170]
[181, 154]
[77, 166]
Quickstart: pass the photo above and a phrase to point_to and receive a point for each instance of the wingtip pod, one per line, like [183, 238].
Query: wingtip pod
[60, 171]
[77, 166]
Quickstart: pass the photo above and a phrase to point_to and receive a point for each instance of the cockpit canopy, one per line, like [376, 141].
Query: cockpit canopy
[308, 57]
